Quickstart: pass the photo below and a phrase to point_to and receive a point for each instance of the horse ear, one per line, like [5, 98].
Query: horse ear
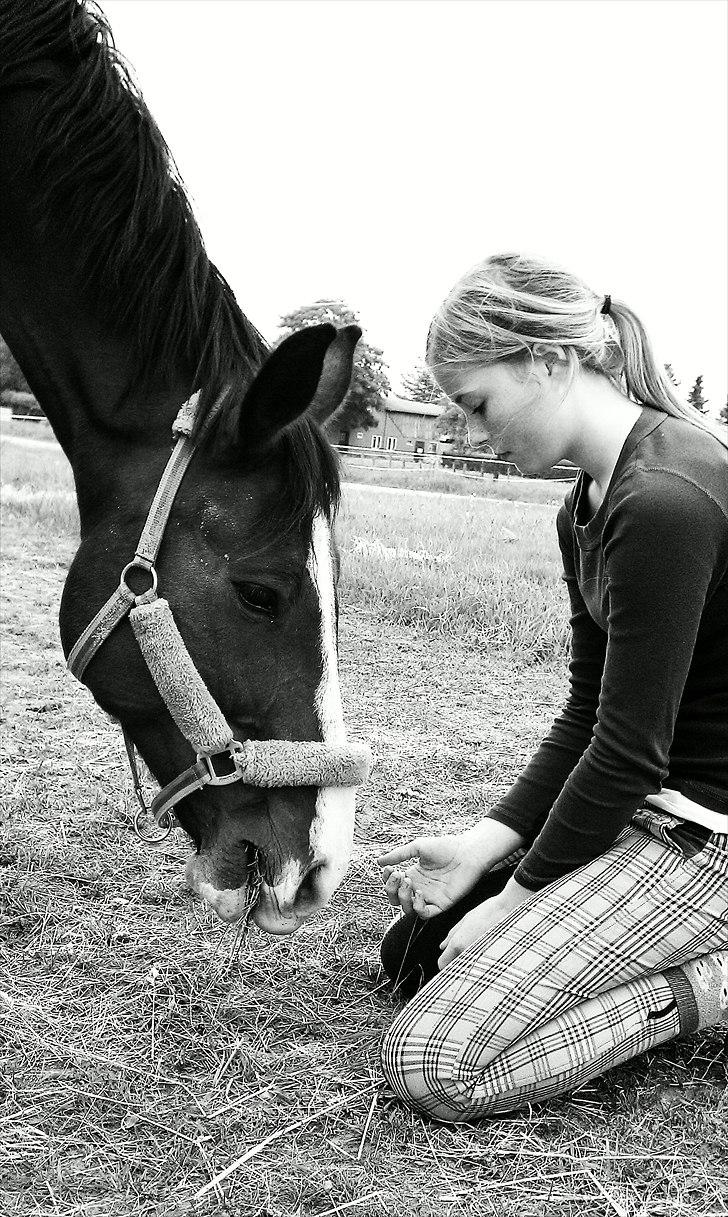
[309, 371]
[336, 373]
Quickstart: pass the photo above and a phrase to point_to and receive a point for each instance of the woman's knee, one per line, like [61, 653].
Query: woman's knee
[422, 1070]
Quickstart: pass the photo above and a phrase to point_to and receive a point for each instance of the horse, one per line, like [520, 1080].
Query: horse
[125, 329]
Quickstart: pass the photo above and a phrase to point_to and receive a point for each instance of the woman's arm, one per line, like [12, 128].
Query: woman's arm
[528, 802]
[662, 546]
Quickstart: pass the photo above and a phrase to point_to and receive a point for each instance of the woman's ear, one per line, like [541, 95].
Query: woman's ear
[551, 355]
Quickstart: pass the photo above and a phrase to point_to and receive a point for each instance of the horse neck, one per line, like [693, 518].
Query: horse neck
[83, 375]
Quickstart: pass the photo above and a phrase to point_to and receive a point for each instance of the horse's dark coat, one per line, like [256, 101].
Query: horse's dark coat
[116, 314]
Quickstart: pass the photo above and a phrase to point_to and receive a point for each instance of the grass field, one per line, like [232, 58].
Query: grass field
[444, 481]
[145, 1049]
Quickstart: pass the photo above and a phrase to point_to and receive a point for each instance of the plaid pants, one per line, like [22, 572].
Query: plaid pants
[569, 984]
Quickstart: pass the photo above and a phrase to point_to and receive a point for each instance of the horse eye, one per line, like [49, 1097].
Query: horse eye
[259, 599]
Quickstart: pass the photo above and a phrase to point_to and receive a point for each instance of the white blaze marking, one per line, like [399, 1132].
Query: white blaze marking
[332, 830]
[328, 695]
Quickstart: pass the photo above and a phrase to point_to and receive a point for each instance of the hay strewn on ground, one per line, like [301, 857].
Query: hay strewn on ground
[145, 1050]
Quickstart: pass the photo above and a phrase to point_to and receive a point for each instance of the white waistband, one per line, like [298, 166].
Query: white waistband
[686, 809]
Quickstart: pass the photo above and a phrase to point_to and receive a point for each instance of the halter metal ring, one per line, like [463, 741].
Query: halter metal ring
[165, 824]
[148, 568]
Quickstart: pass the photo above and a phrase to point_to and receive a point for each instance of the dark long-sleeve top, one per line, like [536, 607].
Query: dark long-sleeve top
[647, 577]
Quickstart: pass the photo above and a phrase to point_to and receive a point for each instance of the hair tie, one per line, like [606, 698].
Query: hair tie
[606, 306]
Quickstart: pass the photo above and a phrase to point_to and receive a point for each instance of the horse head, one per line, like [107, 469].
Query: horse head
[249, 566]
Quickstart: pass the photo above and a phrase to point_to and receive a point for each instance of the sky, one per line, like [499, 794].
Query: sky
[374, 150]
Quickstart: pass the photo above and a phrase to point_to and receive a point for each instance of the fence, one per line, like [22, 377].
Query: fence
[374, 458]
[464, 466]
[23, 406]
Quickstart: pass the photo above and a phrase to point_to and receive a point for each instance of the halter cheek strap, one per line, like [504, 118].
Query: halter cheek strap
[221, 759]
[123, 600]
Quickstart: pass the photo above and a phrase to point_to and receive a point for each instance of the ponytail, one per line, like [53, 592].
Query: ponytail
[642, 377]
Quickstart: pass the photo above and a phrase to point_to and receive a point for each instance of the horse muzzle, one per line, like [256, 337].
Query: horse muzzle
[277, 903]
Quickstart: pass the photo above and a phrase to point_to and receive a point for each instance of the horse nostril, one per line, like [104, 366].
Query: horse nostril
[307, 890]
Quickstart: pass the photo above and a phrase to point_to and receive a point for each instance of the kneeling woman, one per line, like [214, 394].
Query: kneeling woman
[585, 919]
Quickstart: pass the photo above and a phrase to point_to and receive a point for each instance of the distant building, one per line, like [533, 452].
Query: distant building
[402, 426]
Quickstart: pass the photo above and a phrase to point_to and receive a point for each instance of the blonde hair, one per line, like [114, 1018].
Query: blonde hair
[509, 303]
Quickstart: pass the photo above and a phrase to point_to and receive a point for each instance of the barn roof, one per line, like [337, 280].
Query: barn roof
[403, 405]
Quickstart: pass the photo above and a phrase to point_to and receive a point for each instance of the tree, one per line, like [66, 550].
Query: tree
[696, 397]
[451, 427]
[723, 416]
[369, 385]
[671, 375]
[420, 385]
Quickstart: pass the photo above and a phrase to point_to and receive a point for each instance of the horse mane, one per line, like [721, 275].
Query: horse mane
[109, 179]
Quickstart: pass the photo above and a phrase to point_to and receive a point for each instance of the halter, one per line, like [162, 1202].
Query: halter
[221, 759]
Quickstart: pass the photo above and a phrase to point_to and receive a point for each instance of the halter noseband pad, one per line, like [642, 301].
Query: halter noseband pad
[199, 718]
[182, 689]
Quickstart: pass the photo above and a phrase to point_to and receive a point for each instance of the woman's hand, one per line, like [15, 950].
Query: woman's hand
[479, 920]
[447, 867]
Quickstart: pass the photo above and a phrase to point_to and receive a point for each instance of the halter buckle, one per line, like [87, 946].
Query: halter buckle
[233, 750]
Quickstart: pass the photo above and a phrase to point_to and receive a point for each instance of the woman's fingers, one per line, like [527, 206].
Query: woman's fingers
[414, 888]
[411, 889]
[425, 909]
[473, 925]
[452, 946]
[460, 936]
[401, 854]
[392, 886]
[447, 957]
[448, 952]
[400, 892]
[406, 895]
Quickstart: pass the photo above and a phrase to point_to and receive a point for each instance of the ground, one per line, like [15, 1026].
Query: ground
[153, 1061]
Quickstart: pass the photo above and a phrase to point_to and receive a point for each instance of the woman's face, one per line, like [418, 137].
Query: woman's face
[513, 408]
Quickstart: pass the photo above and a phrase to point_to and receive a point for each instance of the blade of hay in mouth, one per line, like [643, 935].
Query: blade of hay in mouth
[255, 879]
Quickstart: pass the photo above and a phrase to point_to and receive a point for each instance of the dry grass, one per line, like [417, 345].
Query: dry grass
[149, 1055]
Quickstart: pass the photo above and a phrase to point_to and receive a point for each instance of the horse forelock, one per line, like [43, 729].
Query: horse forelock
[310, 479]
[107, 177]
